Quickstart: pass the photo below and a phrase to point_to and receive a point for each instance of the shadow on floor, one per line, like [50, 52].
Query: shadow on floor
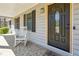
[30, 49]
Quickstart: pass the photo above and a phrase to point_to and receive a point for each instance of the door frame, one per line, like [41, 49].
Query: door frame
[46, 13]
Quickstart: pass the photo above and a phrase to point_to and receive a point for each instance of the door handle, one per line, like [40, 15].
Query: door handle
[74, 27]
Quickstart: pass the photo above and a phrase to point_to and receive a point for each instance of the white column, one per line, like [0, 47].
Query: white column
[21, 21]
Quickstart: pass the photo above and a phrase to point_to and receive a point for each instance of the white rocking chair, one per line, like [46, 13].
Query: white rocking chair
[21, 35]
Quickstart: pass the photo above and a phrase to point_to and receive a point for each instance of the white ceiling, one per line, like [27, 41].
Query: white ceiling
[12, 9]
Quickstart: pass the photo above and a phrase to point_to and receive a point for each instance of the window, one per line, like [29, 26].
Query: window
[17, 23]
[31, 21]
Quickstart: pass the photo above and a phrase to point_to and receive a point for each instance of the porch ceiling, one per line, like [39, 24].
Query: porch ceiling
[12, 9]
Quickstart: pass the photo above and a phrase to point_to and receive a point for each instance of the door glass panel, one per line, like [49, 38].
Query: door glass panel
[57, 17]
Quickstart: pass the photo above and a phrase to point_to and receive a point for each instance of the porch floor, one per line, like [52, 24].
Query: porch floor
[31, 49]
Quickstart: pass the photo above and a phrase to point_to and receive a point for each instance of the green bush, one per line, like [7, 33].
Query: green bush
[4, 30]
[1, 31]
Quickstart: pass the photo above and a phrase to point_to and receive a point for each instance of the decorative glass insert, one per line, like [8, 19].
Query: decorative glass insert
[57, 18]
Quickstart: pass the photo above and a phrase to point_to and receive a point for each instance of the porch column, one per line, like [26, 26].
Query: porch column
[21, 21]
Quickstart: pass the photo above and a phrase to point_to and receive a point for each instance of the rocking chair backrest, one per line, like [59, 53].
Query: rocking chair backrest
[22, 31]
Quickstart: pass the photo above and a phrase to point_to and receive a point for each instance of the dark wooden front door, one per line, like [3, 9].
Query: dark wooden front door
[59, 26]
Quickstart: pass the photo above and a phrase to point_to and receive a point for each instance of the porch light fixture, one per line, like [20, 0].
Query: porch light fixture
[42, 10]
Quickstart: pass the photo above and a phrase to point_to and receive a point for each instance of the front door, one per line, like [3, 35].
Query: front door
[59, 26]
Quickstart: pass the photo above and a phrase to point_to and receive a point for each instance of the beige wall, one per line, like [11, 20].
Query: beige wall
[41, 23]
[41, 34]
[76, 31]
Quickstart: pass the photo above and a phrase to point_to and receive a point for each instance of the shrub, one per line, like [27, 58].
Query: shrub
[1, 31]
[4, 30]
